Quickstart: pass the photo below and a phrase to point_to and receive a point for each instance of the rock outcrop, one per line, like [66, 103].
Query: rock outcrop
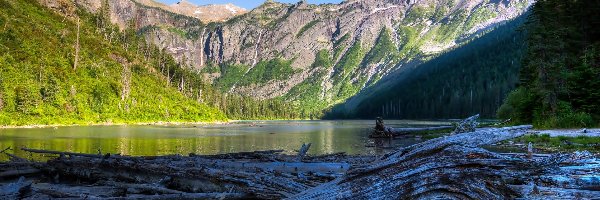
[365, 40]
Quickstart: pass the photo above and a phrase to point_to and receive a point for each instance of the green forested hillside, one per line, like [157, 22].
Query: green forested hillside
[560, 78]
[471, 79]
[117, 78]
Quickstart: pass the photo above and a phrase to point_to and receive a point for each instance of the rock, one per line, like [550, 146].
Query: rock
[273, 30]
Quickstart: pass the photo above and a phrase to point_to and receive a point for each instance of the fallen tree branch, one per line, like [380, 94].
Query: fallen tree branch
[64, 153]
[15, 158]
[144, 188]
[8, 148]
[19, 172]
[186, 196]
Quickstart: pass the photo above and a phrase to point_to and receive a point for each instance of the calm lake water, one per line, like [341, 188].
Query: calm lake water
[325, 136]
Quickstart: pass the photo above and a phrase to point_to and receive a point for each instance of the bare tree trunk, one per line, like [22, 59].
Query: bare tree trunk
[126, 81]
[182, 85]
[199, 99]
[168, 76]
[76, 47]
[1, 101]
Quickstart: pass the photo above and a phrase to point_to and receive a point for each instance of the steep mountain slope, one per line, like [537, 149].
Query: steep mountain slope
[472, 79]
[54, 70]
[314, 55]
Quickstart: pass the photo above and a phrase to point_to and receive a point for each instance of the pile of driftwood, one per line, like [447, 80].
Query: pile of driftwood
[259, 174]
[452, 167]
[383, 131]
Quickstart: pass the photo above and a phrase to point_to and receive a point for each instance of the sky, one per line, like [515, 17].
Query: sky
[248, 4]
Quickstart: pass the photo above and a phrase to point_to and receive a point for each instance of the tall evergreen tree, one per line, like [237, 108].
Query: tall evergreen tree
[561, 72]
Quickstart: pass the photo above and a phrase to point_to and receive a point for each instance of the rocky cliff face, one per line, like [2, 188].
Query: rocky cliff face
[207, 13]
[318, 54]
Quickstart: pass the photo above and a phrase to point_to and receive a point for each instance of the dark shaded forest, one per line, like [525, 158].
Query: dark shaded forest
[474, 78]
[560, 77]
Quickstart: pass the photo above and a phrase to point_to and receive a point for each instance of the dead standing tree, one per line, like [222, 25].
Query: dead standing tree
[77, 47]
[1, 100]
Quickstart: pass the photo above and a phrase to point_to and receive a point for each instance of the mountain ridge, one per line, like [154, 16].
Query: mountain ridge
[205, 13]
[285, 41]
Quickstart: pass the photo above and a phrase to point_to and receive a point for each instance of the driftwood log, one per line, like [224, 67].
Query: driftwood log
[466, 125]
[383, 131]
[452, 167]
[455, 167]
[261, 174]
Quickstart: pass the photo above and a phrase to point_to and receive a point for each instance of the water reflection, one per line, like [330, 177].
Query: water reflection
[325, 136]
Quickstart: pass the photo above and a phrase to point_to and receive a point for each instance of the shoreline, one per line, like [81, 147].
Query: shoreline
[34, 126]
[591, 132]
[159, 123]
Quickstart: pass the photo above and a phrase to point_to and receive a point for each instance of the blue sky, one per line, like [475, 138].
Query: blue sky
[248, 4]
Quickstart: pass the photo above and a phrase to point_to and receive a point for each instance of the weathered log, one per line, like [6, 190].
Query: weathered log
[524, 155]
[240, 155]
[467, 125]
[303, 150]
[142, 188]
[70, 191]
[8, 148]
[382, 131]
[449, 167]
[268, 154]
[187, 196]
[64, 153]
[271, 180]
[19, 172]
[528, 192]
[15, 158]
[286, 167]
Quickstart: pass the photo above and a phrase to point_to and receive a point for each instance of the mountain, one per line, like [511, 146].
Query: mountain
[206, 13]
[57, 67]
[315, 55]
[472, 79]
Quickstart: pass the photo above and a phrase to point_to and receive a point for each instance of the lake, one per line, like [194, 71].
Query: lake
[348, 136]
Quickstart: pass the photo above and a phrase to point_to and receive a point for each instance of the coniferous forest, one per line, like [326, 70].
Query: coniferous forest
[560, 73]
[470, 79]
[548, 58]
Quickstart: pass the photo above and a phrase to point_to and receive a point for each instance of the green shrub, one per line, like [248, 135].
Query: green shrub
[518, 106]
[307, 27]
